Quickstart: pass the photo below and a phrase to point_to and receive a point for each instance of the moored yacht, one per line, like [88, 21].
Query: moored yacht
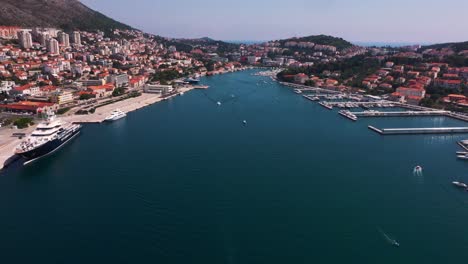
[49, 136]
[115, 115]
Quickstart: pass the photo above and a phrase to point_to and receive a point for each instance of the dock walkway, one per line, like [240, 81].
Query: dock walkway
[415, 131]
[400, 113]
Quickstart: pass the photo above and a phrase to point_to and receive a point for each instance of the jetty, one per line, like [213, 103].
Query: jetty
[399, 113]
[415, 131]
[201, 87]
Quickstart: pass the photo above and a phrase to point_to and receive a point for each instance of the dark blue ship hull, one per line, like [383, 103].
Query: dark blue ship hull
[48, 147]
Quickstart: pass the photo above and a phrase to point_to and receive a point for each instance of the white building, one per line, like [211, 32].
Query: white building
[62, 97]
[64, 39]
[158, 88]
[53, 46]
[6, 86]
[76, 38]
[25, 39]
[43, 38]
[252, 59]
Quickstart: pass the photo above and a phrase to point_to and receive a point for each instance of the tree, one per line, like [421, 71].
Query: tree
[118, 91]
[87, 96]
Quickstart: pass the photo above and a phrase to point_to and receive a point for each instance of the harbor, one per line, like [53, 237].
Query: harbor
[188, 157]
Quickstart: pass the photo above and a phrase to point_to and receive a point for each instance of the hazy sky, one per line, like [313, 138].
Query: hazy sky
[355, 20]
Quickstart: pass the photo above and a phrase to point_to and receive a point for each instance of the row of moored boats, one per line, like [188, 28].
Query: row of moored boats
[348, 114]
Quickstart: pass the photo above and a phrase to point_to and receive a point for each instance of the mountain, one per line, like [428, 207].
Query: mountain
[64, 14]
[339, 43]
[184, 44]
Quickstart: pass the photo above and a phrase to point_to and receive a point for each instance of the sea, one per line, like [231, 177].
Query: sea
[188, 181]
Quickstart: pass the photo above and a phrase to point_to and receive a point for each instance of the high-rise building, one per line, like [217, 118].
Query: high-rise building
[64, 39]
[25, 39]
[76, 38]
[43, 38]
[53, 46]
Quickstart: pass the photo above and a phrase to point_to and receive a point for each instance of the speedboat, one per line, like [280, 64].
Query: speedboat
[460, 184]
[115, 115]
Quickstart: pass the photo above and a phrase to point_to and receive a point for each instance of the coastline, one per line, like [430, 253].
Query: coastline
[8, 142]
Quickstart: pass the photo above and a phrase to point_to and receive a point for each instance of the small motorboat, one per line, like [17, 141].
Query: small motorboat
[460, 184]
[244, 122]
[218, 103]
[418, 168]
[463, 157]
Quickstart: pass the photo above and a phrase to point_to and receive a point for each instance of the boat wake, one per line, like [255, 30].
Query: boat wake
[389, 240]
[417, 171]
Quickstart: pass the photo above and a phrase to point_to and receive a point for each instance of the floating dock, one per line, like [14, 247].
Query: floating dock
[415, 131]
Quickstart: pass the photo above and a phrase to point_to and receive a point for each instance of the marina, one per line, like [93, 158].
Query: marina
[337, 100]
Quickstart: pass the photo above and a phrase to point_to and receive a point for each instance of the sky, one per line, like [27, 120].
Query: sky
[393, 21]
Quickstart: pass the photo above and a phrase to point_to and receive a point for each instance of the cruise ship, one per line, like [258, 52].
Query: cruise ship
[115, 115]
[49, 136]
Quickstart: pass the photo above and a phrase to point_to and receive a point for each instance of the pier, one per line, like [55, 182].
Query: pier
[356, 104]
[415, 131]
[200, 86]
[400, 113]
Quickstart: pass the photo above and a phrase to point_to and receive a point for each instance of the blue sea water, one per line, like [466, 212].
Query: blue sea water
[185, 181]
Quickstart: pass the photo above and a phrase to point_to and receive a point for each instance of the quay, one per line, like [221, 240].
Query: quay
[414, 131]
[400, 113]
[201, 87]
[363, 104]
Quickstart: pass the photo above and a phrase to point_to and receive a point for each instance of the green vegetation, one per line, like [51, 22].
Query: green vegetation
[180, 46]
[339, 43]
[23, 122]
[457, 46]
[134, 94]
[457, 61]
[87, 96]
[353, 70]
[62, 111]
[85, 112]
[118, 91]
[222, 47]
[166, 76]
[68, 15]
